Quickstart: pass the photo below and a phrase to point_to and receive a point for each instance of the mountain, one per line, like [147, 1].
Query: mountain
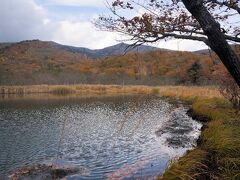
[39, 51]
[117, 49]
[41, 62]
[203, 51]
[3, 45]
[235, 47]
[34, 61]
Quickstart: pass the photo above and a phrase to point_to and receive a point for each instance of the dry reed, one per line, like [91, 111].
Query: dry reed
[82, 89]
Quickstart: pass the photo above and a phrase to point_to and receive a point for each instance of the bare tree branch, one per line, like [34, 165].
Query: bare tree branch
[207, 21]
[232, 4]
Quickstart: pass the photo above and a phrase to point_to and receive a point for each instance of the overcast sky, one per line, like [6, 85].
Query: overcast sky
[64, 21]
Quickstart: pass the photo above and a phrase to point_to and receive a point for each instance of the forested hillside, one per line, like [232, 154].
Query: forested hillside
[155, 68]
[37, 62]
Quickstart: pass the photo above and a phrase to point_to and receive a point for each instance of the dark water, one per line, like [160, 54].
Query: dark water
[108, 137]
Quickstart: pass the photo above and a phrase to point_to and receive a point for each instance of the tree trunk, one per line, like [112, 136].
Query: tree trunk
[217, 41]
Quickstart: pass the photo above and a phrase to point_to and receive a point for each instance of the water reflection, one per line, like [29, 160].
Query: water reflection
[111, 137]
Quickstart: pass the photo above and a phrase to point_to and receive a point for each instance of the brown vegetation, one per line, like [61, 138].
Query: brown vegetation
[37, 62]
[169, 91]
[229, 88]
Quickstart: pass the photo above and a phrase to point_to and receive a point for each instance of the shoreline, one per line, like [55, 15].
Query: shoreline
[217, 152]
[97, 89]
[216, 155]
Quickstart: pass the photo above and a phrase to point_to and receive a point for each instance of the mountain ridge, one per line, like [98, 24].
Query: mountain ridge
[44, 62]
[117, 49]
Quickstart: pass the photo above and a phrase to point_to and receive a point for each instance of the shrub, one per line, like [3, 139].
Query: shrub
[229, 89]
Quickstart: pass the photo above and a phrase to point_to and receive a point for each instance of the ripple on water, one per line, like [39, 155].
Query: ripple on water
[110, 137]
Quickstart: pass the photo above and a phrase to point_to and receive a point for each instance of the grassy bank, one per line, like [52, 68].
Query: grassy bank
[172, 91]
[217, 155]
[74, 89]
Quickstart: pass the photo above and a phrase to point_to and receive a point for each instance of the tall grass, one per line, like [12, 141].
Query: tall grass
[220, 144]
[187, 167]
[62, 90]
[169, 91]
[190, 92]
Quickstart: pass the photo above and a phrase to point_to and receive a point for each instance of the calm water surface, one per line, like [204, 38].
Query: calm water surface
[124, 137]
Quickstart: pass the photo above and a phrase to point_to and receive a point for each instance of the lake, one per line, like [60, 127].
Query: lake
[121, 137]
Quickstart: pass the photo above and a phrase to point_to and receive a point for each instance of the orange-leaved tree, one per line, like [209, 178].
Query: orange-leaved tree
[214, 22]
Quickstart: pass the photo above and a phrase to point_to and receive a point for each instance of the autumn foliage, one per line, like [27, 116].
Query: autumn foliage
[36, 62]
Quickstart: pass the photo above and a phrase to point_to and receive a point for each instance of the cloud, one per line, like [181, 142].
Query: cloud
[83, 34]
[25, 20]
[22, 20]
[181, 45]
[82, 3]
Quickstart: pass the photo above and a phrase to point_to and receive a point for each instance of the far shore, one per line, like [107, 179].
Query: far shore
[95, 90]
